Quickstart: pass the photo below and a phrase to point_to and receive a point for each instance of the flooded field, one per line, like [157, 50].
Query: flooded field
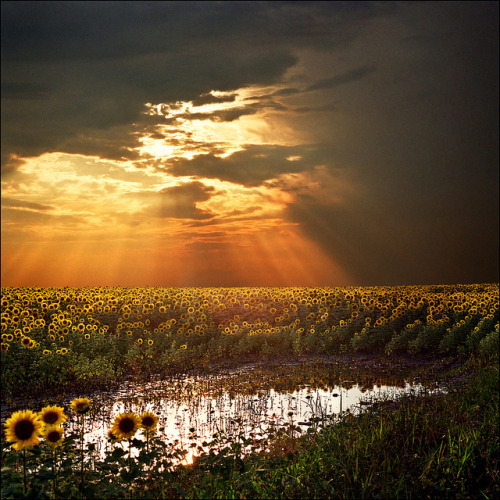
[248, 402]
[259, 372]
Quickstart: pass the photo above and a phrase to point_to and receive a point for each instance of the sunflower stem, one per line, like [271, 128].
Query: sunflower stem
[24, 471]
[81, 452]
[130, 466]
[54, 481]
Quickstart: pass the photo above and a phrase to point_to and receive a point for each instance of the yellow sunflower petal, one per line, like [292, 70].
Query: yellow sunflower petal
[52, 415]
[23, 429]
[80, 405]
[126, 425]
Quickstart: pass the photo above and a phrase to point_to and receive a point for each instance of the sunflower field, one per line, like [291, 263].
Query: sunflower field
[58, 339]
[63, 341]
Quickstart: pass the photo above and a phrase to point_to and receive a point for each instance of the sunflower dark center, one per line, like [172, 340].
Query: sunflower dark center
[24, 429]
[148, 421]
[82, 406]
[53, 436]
[50, 417]
[126, 425]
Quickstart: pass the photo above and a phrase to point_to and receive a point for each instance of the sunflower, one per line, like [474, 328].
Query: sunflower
[80, 405]
[111, 437]
[52, 416]
[54, 436]
[23, 429]
[126, 425]
[149, 421]
[26, 342]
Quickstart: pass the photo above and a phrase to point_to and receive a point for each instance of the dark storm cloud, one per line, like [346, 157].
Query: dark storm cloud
[225, 115]
[421, 134]
[323, 108]
[251, 166]
[380, 246]
[342, 79]
[76, 68]
[23, 90]
[325, 83]
[87, 97]
[212, 99]
[91, 30]
[286, 92]
[177, 202]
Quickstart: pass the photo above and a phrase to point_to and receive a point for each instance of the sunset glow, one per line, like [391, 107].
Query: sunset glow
[314, 153]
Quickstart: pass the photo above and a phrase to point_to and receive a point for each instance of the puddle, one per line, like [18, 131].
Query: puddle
[245, 413]
[248, 401]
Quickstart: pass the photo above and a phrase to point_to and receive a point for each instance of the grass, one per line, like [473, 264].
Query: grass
[444, 445]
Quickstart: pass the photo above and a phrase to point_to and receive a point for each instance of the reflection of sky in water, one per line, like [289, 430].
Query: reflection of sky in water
[181, 411]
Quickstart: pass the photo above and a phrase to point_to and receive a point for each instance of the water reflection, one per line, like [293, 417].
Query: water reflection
[192, 410]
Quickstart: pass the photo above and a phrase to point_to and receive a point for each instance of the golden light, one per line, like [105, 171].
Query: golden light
[82, 220]
[158, 148]
[192, 135]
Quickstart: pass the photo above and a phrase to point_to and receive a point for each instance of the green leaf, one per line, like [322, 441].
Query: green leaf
[11, 490]
[118, 453]
[130, 475]
[46, 475]
[145, 459]
[137, 443]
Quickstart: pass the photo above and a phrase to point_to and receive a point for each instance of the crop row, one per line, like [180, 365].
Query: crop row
[55, 338]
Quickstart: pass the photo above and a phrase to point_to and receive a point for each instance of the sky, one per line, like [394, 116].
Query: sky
[249, 143]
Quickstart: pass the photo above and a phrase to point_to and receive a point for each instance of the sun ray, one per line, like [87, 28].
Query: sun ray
[134, 222]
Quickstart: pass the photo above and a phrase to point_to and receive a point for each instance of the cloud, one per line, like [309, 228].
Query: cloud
[251, 166]
[286, 92]
[22, 204]
[224, 115]
[24, 90]
[209, 98]
[177, 202]
[370, 126]
[17, 221]
[73, 70]
[322, 108]
[377, 246]
[342, 79]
